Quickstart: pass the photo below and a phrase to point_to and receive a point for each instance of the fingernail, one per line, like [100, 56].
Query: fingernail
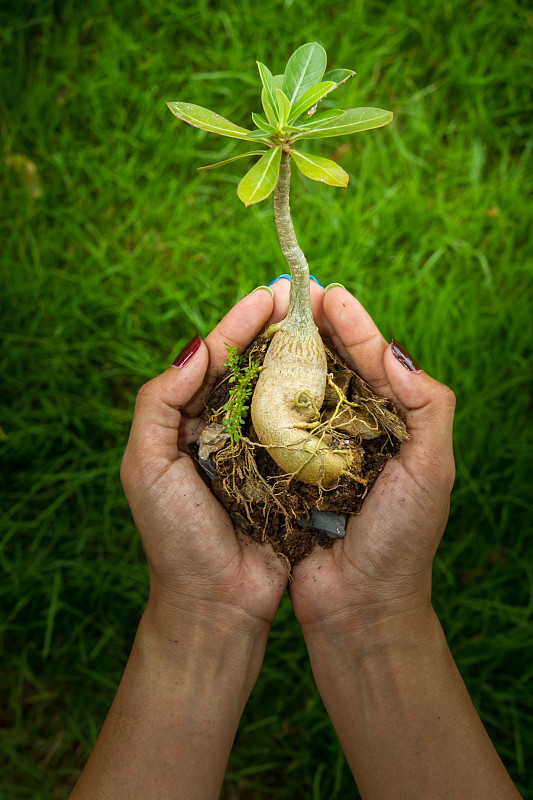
[334, 286]
[279, 278]
[405, 358]
[188, 351]
[268, 289]
[288, 277]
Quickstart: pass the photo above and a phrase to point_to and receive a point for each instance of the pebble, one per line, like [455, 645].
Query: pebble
[207, 466]
[333, 525]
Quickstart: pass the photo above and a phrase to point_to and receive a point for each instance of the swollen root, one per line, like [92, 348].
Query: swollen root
[286, 405]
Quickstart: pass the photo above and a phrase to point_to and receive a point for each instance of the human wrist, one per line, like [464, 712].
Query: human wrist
[170, 608]
[223, 647]
[177, 709]
[348, 635]
[393, 692]
[353, 603]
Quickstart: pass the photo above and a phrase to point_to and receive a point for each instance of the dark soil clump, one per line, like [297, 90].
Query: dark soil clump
[271, 506]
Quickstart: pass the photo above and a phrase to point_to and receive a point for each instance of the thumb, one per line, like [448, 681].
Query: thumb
[153, 440]
[429, 406]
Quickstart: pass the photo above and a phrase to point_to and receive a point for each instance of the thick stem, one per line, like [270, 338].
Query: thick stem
[299, 315]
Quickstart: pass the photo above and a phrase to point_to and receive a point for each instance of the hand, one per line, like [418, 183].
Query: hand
[378, 653]
[383, 566]
[199, 563]
[213, 594]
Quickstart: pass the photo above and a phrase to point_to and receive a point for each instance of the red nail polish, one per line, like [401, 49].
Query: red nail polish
[188, 351]
[405, 358]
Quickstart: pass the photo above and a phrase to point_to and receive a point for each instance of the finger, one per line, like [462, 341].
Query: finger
[317, 303]
[357, 337]
[153, 440]
[238, 328]
[281, 289]
[430, 406]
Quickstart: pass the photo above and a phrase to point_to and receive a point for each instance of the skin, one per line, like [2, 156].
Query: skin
[381, 663]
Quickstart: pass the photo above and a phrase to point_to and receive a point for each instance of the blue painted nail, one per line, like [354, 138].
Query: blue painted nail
[288, 277]
[279, 278]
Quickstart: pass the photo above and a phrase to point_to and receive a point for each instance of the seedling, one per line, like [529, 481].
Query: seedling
[288, 397]
[241, 376]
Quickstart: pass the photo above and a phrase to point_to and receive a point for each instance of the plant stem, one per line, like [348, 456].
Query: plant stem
[299, 315]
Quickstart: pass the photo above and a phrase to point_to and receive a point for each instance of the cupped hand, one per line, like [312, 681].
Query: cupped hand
[198, 561]
[383, 565]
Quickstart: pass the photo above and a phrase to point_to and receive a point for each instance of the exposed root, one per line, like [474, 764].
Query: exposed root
[379, 407]
[267, 502]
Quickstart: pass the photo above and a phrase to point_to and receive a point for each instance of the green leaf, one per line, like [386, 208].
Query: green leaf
[260, 180]
[268, 95]
[320, 169]
[270, 114]
[325, 116]
[353, 120]
[304, 70]
[259, 136]
[284, 108]
[207, 120]
[292, 128]
[310, 98]
[262, 124]
[339, 76]
[234, 158]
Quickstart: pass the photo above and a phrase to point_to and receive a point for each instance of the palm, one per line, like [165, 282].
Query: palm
[378, 552]
[195, 555]
[390, 545]
[194, 550]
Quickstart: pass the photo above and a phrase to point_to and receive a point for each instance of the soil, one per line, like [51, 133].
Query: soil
[269, 505]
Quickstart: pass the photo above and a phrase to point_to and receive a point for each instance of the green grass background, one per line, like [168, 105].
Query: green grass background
[117, 251]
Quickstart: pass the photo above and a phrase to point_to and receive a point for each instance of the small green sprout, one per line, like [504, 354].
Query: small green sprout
[243, 377]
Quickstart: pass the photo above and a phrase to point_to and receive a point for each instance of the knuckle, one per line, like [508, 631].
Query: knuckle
[125, 471]
[145, 392]
[138, 472]
[451, 472]
[448, 397]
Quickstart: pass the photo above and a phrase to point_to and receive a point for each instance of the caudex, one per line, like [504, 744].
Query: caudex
[289, 394]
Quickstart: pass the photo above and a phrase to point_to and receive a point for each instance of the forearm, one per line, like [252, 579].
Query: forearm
[170, 729]
[402, 712]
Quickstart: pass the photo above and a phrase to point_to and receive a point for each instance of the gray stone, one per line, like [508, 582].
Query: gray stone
[207, 467]
[333, 525]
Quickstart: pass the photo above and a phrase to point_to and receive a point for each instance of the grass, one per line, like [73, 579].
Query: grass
[115, 251]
